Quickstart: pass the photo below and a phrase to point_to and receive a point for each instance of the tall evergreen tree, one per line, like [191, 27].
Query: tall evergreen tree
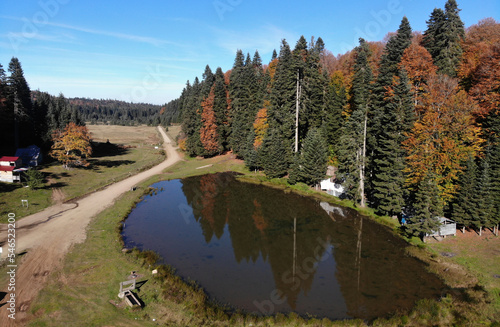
[221, 109]
[443, 37]
[335, 102]
[273, 154]
[7, 114]
[20, 100]
[283, 99]
[484, 197]
[192, 119]
[389, 178]
[313, 95]
[426, 208]
[388, 119]
[464, 206]
[352, 153]
[435, 28]
[312, 161]
[246, 99]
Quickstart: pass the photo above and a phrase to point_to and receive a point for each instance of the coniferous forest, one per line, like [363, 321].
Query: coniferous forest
[412, 123]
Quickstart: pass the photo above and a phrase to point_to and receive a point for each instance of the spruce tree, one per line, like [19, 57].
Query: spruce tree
[388, 119]
[426, 208]
[335, 102]
[245, 91]
[313, 158]
[191, 118]
[7, 114]
[484, 196]
[313, 94]
[273, 154]
[283, 99]
[389, 178]
[19, 97]
[435, 27]
[443, 37]
[464, 207]
[221, 109]
[352, 145]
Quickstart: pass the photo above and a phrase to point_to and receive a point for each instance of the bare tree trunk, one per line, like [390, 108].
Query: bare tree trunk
[297, 103]
[463, 230]
[480, 230]
[363, 164]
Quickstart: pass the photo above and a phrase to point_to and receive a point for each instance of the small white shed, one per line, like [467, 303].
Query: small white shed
[332, 187]
[448, 227]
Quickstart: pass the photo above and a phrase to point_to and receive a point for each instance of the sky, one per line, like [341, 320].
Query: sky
[146, 51]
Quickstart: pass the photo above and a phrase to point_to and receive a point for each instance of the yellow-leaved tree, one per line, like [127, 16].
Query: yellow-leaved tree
[72, 145]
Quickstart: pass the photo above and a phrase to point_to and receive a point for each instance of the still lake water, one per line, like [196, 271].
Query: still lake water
[264, 251]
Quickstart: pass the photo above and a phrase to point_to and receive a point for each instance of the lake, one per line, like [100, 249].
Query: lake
[265, 251]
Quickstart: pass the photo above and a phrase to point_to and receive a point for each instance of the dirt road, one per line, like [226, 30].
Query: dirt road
[48, 235]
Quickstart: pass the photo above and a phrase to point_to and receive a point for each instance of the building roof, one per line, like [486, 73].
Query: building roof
[5, 158]
[7, 168]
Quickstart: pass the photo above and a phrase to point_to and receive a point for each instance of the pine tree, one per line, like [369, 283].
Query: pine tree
[313, 158]
[352, 151]
[335, 103]
[435, 27]
[464, 206]
[426, 208]
[389, 179]
[221, 109]
[484, 196]
[313, 94]
[245, 91]
[191, 118]
[443, 37]
[273, 155]
[7, 114]
[388, 119]
[20, 100]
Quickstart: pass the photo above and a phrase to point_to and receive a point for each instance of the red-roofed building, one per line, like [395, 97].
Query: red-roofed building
[9, 171]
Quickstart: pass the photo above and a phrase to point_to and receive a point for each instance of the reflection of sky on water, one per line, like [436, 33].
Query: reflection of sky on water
[265, 251]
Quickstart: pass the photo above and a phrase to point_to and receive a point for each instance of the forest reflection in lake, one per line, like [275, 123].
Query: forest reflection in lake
[266, 251]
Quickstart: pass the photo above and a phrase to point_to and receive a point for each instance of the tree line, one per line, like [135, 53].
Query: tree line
[115, 112]
[29, 117]
[411, 122]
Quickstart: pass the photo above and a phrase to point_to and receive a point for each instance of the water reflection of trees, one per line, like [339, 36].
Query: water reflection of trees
[294, 234]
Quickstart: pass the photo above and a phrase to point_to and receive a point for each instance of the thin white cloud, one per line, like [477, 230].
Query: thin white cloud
[130, 37]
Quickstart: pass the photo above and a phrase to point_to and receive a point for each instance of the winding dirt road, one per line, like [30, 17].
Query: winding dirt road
[48, 235]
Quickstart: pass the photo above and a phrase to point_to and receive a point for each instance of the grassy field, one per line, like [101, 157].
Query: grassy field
[85, 290]
[130, 150]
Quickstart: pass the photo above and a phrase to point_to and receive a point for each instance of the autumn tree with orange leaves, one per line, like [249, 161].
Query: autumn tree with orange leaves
[443, 138]
[72, 145]
[480, 68]
[417, 62]
[208, 131]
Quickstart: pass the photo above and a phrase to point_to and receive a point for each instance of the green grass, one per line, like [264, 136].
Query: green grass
[139, 154]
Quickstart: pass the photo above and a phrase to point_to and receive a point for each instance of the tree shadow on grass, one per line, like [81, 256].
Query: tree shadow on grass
[107, 149]
[96, 164]
[9, 187]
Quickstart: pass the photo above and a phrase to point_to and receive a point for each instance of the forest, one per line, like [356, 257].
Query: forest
[31, 117]
[411, 122]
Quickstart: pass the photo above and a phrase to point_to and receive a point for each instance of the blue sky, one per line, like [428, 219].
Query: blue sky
[145, 51]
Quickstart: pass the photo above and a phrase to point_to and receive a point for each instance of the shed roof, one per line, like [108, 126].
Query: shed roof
[6, 158]
[7, 168]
